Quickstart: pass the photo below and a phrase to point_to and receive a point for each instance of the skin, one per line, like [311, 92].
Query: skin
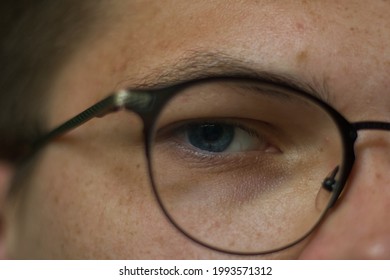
[81, 202]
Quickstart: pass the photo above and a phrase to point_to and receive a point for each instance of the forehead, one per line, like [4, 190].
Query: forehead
[254, 28]
[156, 33]
[322, 42]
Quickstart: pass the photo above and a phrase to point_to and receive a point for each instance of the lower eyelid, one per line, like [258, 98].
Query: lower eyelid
[214, 162]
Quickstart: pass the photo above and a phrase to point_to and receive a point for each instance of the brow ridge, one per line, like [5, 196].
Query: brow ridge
[199, 65]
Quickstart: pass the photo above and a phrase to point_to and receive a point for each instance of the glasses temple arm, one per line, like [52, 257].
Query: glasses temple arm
[100, 109]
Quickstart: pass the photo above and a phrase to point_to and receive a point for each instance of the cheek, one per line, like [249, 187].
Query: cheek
[87, 205]
[78, 200]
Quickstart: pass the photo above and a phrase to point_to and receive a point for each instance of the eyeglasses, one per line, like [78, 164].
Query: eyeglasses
[238, 165]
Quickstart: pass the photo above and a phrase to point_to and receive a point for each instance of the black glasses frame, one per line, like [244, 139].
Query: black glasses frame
[149, 103]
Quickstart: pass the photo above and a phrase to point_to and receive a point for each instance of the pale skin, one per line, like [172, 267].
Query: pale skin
[82, 204]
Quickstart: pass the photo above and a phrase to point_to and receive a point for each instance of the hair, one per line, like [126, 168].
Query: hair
[36, 38]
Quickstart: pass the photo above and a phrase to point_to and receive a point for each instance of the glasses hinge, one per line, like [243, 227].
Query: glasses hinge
[133, 100]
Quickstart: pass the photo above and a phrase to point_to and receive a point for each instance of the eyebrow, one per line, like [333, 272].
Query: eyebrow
[199, 65]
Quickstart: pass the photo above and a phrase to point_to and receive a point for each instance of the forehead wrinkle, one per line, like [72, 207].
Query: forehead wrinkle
[198, 65]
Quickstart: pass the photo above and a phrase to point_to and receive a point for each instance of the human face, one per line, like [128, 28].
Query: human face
[83, 204]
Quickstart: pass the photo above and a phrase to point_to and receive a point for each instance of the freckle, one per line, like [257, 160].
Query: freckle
[77, 231]
[138, 166]
[302, 56]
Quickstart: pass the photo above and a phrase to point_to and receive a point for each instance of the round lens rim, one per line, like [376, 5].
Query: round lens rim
[348, 136]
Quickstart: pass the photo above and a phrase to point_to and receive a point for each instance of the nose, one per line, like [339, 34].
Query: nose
[358, 226]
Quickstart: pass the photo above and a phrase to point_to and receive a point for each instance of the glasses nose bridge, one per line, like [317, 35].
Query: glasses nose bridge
[373, 149]
[371, 125]
[351, 136]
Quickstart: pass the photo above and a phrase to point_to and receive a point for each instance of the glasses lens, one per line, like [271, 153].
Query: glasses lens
[239, 165]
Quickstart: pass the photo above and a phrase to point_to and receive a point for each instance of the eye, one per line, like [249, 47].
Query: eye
[218, 137]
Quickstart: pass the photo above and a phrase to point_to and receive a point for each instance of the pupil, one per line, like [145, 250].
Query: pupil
[211, 137]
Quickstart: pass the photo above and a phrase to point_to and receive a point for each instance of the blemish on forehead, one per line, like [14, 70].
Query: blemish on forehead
[300, 26]
[302, 56]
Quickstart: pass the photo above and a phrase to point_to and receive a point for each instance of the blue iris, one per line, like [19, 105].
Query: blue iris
[211, 137]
